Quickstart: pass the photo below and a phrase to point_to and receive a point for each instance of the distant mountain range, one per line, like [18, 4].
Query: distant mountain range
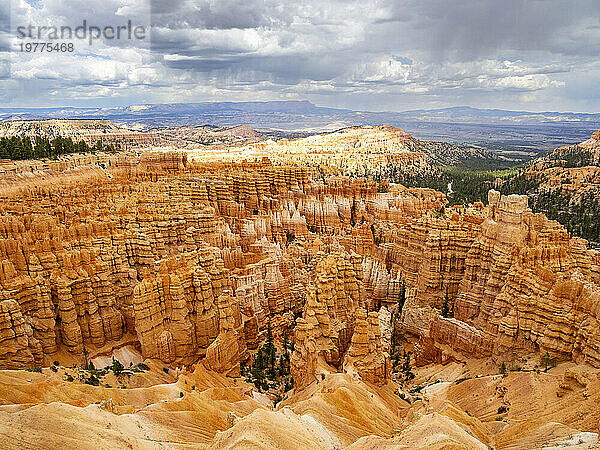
[510, 132]
[495, 116]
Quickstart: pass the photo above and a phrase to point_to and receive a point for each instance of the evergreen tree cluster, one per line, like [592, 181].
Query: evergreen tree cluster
[16, 148]
[397, 336]
[269, 370]
[92, 375]
[522, 184]
[447, 305]
[576, 213]
[406, 368]
[464, 183]
[579, 217]
[572, 156]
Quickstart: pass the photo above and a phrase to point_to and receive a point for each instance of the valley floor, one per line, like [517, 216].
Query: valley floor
[458, 405]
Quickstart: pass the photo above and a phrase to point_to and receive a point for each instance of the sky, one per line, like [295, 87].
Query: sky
[384, 55]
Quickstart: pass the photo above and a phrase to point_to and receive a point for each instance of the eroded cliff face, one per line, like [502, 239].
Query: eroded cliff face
[194, 261]
[192, 264]
[335, 331]
[118, 249]
[527, 288]
[186, 260]
[323, 333]
[368, 354]
[427, 254]
[176, 316]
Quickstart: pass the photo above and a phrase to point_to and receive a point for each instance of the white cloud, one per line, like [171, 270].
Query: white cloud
[323, 50]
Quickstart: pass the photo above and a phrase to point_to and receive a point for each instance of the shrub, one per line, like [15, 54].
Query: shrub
[445, 307]
[116, 367]
[93, 380]
[548, 362]
[502, 409]
[403, 396]
[289, 237]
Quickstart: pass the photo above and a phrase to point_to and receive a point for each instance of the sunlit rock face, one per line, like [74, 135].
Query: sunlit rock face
[163, 251]
[392, 311]
[189, 260]
[527, 288]
[89, 130]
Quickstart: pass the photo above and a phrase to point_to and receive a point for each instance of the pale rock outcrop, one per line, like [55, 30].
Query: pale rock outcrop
[366, 355]
[526, 289]
[229, 348]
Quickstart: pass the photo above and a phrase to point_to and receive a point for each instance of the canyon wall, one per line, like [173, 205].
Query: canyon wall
[190, 261]
[187, 261]
[526, 288]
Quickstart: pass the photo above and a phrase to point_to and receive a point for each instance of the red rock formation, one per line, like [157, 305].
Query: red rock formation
[229, 348]
[527, 288]
[366, 355]
[98, 250]
[325, 330]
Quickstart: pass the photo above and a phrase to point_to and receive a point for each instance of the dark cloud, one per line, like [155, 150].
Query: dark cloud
[474, 29]
[377, 54]
[218, 15]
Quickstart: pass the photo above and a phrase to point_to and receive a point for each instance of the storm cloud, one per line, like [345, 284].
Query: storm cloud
[377, 55]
